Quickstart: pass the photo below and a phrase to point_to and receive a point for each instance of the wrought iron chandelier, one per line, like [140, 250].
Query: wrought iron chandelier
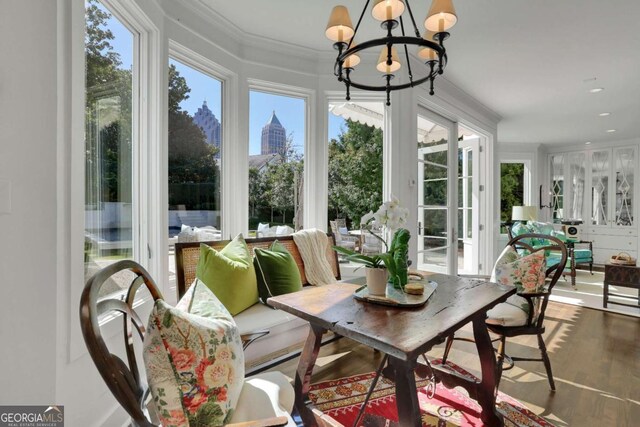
[441, 17]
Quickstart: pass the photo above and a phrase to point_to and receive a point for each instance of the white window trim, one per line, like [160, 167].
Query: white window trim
[310, 200]
[146, 123]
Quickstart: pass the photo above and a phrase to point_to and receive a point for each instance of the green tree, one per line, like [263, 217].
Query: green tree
[282, 181]
[355, 171]
[511, 188]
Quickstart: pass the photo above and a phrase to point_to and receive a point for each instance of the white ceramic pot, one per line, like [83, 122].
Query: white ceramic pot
[377, 280]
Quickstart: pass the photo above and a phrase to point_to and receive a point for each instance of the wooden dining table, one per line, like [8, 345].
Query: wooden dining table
[403, 334]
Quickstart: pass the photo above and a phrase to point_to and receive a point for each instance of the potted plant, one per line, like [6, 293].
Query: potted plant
[390, 216]
[376, 271]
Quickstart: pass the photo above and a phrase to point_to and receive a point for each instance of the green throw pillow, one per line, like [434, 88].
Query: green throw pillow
[277, 272]
[229, 273]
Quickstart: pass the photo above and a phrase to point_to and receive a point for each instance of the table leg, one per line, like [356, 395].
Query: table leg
[303, 374]
[605, 294]
[573, 271]
[406, 392]
[486, 389]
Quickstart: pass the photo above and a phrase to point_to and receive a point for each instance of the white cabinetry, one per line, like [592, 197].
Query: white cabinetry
[597, 187]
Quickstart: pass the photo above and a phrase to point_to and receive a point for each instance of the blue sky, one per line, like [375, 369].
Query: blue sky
[289, 110]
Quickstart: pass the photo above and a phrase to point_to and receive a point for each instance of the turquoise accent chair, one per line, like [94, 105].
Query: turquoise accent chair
[582, 255]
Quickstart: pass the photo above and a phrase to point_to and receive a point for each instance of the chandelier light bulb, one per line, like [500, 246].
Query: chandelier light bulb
[386, 10]
[426, 53]
[352, 60]
[385, 68]
[339, 28]
[441, 17]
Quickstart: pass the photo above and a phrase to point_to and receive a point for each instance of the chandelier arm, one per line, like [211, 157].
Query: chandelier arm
[358, 24]
[415, 27]
[406, 53]
[432, 78]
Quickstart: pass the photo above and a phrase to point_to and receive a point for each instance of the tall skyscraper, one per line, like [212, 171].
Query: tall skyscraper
[207, 121]
[274, 136]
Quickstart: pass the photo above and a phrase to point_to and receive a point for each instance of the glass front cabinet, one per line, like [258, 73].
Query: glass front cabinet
[597, 187]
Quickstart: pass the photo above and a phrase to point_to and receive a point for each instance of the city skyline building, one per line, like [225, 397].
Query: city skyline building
[210, 125]
[274, 136]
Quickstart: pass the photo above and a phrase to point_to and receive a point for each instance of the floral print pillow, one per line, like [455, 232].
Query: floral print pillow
[527, 273]
[194, 360]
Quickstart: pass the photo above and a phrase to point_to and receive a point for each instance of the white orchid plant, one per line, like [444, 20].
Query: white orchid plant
[391, 216]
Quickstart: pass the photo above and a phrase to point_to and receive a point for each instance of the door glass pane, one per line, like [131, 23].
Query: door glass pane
[434, 259]
[109, 143]
[599, 187]
[557, 186]
[433, 197]
[577, 171]
[624, 168]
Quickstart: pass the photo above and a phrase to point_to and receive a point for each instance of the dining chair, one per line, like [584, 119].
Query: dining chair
[524, 313]
[125, 380]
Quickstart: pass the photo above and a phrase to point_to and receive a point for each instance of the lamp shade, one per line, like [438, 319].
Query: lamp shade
[441, 16]
[426, 53]
[352, 60]
[383, 67]
[524, 213]
[339, 27]
[385, 10]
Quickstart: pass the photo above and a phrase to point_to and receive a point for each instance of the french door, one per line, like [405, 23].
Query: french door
[437, 193]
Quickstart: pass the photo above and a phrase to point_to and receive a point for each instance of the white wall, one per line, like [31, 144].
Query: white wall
[28, 264]
[42, 359]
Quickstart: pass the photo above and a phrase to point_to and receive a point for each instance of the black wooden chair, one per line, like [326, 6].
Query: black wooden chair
[533, 324]
[123, 378]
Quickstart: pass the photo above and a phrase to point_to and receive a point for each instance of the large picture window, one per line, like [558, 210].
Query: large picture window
[110, 140]
[195, 147]
[355, 160]
[276, 163]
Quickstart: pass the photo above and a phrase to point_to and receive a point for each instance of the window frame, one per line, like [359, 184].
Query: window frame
[146, 120]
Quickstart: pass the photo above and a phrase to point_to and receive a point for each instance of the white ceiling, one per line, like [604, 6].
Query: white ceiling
[532, 62]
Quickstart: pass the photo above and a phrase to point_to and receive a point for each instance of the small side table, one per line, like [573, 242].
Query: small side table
[570, 244]
[626, 276]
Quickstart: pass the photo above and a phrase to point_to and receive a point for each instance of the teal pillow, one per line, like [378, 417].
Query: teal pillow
[229, 273]
[277, 272]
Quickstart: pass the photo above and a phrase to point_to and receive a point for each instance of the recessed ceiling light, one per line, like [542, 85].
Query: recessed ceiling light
[611, 130]
[587, 143]
[596, 90]
[604, 114]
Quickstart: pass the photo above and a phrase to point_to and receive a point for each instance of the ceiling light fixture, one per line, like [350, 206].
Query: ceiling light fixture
[604, 114]
[611, 130]
[587, 143]
[441, 17]
[596, 90]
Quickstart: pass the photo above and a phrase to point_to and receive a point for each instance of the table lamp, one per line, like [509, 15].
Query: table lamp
[524, 213]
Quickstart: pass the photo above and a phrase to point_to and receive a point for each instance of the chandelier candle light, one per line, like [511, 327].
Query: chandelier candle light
[441, 17]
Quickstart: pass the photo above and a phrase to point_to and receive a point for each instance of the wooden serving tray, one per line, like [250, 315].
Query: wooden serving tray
[397, 298]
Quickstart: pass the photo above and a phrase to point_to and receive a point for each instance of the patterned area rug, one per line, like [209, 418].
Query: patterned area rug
[341, 400]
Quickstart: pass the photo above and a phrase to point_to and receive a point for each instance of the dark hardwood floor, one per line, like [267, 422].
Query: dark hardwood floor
[595, 357]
